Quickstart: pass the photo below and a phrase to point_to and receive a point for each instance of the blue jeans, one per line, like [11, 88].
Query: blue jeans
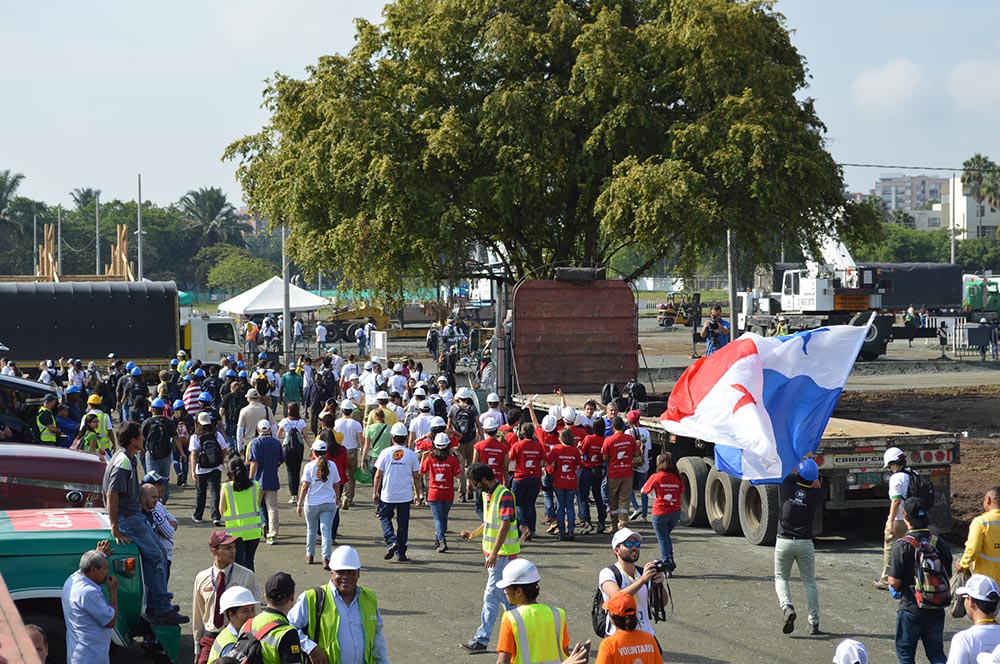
[525, 494]
[565, 512]
[493, 598]
[246, 552]
[231, 434]
[550, 496]
[154, 561]
[182, 464]
[924, 625]
[663, 525]
[401, 534]
[162, 466]
[587, 486]
[320, 517]
[439, 510]
[640, 479]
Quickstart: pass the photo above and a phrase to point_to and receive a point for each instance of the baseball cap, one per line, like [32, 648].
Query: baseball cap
[980, 586]
[235, 596]
[319, 445]
[252, 393]
[621, 604]
[345, 557]
[850, 651]
[916, 512]
[49, 397]
[279, 586]
[204, 418]
[633, 416]
[490, 424]
[153, 477]
[347, 404]
[221, 538]
[808, 470]
[623, 534]
[158, 403]
[264, 425]
[519, 572]
[399, 429]
[292, 365]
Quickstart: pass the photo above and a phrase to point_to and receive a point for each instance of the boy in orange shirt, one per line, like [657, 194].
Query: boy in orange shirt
[629, 644]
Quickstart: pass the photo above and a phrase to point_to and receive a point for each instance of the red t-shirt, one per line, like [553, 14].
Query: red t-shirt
[590, 449]
[441, 474]
[549, 440]
[528, 456]
[620, 448]
[666, 489]
[509, 435]
[340, 461]
[564, 459]
[426, 443]
[491, 452]
[579, 433]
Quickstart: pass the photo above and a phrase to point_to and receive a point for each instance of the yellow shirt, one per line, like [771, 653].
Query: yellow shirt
[982, 548]
[390, 417]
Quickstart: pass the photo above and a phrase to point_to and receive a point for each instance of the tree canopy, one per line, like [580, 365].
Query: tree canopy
[548, 131]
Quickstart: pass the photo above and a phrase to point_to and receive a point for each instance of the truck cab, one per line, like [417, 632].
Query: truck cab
[210, 338]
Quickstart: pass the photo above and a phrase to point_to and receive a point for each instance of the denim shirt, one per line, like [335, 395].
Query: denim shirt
[86, 613]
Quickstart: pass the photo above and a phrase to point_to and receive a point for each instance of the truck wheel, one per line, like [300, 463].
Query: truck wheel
[694, 472]
[722, 495]
[759, 512]
[55, 631]
[348, 334]
[667, 321]
[876, 338]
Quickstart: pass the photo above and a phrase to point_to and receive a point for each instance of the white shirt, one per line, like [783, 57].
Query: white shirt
[320, 333]
[641, 597]
[356, 395]
[45, 377]
[447, 396]
[420, 425]
[397, 463]
[337, 364]
[352, 431]
[287, 425]
[7, 371]
[194, 445]
[496, 414]
[319, 492]
[370, 386]
[647, 445]
[346, 369]
[899, 483]
[968, 643]
[77, 377]
[297, 328]
[397, 383]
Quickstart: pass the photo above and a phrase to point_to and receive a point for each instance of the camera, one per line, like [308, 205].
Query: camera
[665, 566]
[713, 326]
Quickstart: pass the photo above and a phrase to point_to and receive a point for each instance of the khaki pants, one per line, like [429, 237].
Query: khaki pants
[898, 530]
[619, 490]
[270, 501]
[351, 484]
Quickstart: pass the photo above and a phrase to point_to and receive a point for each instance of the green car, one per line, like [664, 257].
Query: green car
[40, 549]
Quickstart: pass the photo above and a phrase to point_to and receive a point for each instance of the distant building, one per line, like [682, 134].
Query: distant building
[909, 192]
[971, 219]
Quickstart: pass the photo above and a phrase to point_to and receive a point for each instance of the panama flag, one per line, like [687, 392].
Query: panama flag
[764, 401]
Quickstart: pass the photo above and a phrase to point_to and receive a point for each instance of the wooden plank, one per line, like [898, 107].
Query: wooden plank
[15, 644]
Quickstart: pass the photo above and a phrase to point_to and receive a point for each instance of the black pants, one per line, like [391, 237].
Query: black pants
[209, 482]
[293, 467]
[246, 550]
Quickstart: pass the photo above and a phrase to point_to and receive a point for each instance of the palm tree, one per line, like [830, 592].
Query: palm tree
[84, 197]
[8, 189]
[975, 171]
[990, 189]
[213, 217]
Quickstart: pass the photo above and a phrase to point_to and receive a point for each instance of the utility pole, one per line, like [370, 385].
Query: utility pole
[288, 329]
[139, 232]
[731, 282]
[97, 234]
[34, 240]
[954, 197]
[59, 237]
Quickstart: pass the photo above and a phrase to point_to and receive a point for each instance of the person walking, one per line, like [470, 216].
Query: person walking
[500, 546]
[209, 586]
[341, 622]
[396, 486]
[318, 496]
[628, 644]
[982, 547]
[591, 475]
[378, 436]
[528, 456]
[208, 452]
[158, 438]
[493, 451]
[618, 452]
[529, 631]
[980, 596]
[800, 497]
[441, 468]
[290, 387]
[232, 404]
[894, 459]
[250, 415]
[266, 456]
[565, 460]
[239, 504]
[279, 641]
[626, 576]
[351, 432]
[667, 487]
[292, 430]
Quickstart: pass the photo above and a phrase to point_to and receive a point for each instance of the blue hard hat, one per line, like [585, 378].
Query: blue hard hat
[205, 397]
[262, 356]
[808, 470]
[129, 365]
[179, 403]
[136, 371]
[174, 362]
[242, 374]
[230, 358]
[74, 389]
[158, 403]
[240, 365]
[188, 365]
[199, 373]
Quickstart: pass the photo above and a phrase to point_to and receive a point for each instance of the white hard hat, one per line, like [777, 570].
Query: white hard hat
[442, 379]
[421, 383]
[569, 415]
[555, 411]
[441, 441]
[519, 572]
[399, 429]
[382, 396]
[420, 392]
[850, 651]
[368, 366]
[204, 418]
[549, 423]
[463, 393]
[345, 557]
[492, 397]
[891, 454]
[438, 421]
[490, 424]
[347, 404]
[982, 320]
[235, 596]
[352, 376]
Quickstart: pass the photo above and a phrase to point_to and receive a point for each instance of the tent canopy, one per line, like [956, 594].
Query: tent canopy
[268, 298]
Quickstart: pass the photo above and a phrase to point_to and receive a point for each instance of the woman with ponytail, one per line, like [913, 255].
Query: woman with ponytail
[319, 492]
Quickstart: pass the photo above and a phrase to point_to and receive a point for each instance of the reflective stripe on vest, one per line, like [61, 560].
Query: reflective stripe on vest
[329, 622]
[44, 434]
[533, 636]
[103, 439]
[225, 638]
[270, 641]
[242, 513]
[491, 525]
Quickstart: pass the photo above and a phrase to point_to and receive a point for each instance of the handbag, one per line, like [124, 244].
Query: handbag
[958, 579]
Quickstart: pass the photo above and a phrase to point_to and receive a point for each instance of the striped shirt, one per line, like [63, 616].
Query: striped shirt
[191, 403]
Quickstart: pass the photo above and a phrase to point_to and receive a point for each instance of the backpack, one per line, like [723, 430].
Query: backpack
[465, 424]
[635, 392]
[440, 409]
[920, 487]
[261, 384]
[210, 453]
[135, 390]
[598, 614]
[931, 582]
[609, 393]
[247, 649]
[158, 442]
[292, 445]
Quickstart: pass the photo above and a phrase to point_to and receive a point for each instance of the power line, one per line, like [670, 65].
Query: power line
[994, 169]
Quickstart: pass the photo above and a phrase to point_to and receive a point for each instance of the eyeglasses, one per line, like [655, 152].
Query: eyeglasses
[631, 544]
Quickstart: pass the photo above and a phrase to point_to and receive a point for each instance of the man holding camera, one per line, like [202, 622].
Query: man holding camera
[715, 331]
[626, 577]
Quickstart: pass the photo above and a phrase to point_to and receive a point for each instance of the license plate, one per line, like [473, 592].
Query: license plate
[856, 460]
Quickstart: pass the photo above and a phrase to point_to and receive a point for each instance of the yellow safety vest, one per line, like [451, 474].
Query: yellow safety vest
[537, 631]
[491, 525]
[269, 642]
[242, 513]
[225, 638]
[329, 622]
[103, 439]
[44, 434]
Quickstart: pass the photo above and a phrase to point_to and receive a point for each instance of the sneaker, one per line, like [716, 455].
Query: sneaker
[444, 547]
[309, 559]
[814, 629]
[401, 558]
[326, 564]
[271, 540]
[390, 551]
[218, 524]
[474, 646]
[634, 515]
[196, 519]
[292, 500]
[586, 528]
[880, 584]
[789, 626]
[553, 527]
[608, 530]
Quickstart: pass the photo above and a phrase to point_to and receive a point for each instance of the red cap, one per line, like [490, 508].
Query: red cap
[621, 604]
[633, 416]
[221, 538]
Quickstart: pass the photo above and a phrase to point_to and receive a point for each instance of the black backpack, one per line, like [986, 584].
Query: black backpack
[135, 390]
[609, 393]
[261, 384]
[292, 446]
[210, 453]
[157, 438]
[598, 614]
[247, 649]
[920, 487]
[465, 424]
[635, 392]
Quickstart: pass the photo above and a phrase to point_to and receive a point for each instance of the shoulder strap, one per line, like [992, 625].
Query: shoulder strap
[618, 575]
[262, 632]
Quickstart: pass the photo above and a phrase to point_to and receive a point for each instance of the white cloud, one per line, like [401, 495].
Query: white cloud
[974, 86]
[889, 88]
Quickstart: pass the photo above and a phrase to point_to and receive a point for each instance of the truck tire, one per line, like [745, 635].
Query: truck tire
[348, 334]
[55, 632]
[722, 497]
[694, 472]
[877, 337]
[759, 512]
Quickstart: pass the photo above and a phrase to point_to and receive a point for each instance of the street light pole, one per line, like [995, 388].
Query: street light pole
[34, 241]
[954, 200]
[288, 330]
[97, 234]
[59, 237]
[139, 232]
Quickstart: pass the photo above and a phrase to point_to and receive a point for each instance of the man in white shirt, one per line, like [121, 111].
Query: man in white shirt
[320, 338]
[421, 424]
[493, 410]
[298, 335]
[396, 486]
[397, 381]
[352, 432]
[899, 485]
[626, 577]
[981, 596]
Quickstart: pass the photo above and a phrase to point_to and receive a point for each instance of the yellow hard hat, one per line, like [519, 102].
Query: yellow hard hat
[93, 400]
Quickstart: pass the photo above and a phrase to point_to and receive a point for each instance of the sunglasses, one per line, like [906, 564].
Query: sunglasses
[629, 544]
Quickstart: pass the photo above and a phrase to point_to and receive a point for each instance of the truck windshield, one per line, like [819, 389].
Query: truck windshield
[222, 333]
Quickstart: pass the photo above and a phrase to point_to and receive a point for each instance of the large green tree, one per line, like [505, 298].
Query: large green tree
[549, 131]
[9, 183]
[84, 196]
[212, 217]
[239, 272]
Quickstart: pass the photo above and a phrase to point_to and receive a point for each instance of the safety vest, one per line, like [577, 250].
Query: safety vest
[103, 439]
[44, 434]
[491, 525]
[537, 631]
[269, 642]
[329, 622]
[242, 513]
[225, 638]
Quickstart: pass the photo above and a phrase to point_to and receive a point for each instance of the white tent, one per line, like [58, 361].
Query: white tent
[268, 297]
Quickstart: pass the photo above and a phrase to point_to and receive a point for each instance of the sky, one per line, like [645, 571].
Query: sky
[96, 93]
